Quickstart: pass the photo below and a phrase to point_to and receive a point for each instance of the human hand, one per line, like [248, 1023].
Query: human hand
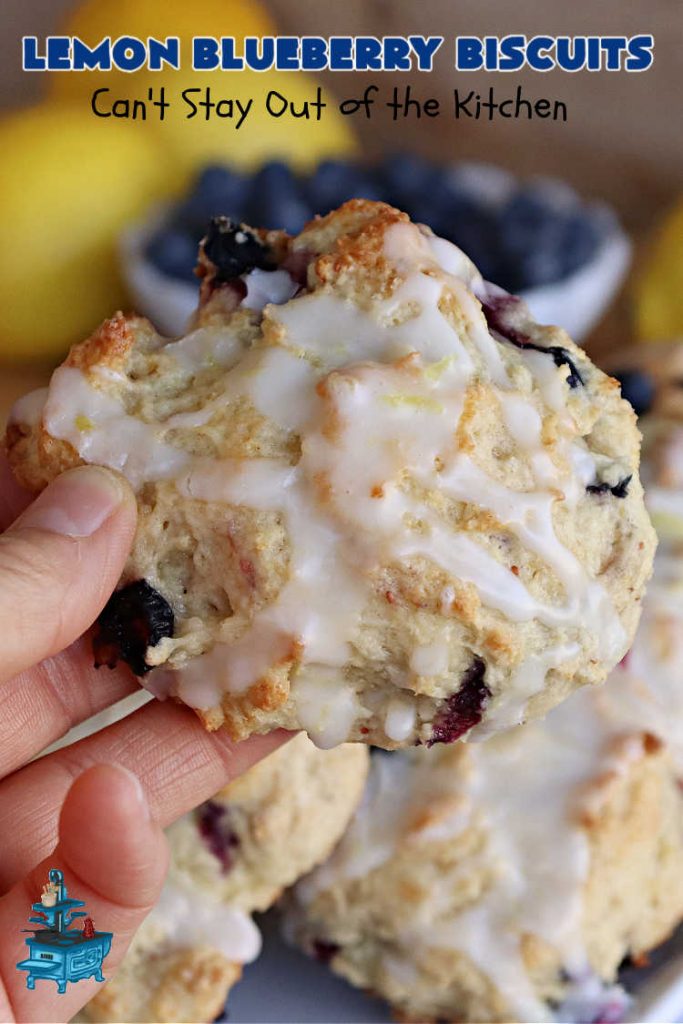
[94, 809]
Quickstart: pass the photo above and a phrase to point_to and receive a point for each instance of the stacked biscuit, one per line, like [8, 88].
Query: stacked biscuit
[230, 857]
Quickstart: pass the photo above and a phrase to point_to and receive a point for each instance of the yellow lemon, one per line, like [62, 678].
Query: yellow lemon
[658, 290]
[93, 20]
[68, 184]
[297, 135]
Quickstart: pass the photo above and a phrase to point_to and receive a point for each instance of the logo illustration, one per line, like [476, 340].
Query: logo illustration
[59, 952]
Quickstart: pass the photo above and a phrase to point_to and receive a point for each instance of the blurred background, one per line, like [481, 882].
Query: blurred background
[581, 217]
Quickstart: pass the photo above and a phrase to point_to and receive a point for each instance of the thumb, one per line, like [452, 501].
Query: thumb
[114, 857]
[59, 562]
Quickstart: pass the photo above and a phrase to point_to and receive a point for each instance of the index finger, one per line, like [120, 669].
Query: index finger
[178, 762]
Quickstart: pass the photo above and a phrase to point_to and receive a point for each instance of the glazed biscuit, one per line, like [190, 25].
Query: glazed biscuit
[506, 881]
[376, 500]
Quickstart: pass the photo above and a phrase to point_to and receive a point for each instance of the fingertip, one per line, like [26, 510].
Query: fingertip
[108, 836]
[79, 502]
[112, 785]
[63, 556]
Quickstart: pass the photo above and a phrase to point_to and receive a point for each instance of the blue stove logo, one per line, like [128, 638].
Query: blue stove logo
[59, 952]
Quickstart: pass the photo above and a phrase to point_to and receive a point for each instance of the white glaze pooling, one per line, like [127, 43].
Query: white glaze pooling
[526, 789]
[191, 918]
[97, 426]
[29, 409]
[399, 721]
[264, 286]
[376, 396]
[206, 346]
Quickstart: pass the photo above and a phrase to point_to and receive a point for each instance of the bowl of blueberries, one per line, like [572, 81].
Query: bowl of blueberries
[533, 238]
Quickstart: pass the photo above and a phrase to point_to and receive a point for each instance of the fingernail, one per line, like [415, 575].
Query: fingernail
[137, 787]
[77, 503]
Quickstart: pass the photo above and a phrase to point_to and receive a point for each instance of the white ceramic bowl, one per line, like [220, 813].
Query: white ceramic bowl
[575, 303]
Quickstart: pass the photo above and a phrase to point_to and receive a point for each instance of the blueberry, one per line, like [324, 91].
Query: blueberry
[234, 250]
[276, 199]
[287, 212]
[580, 241]
[365, 186]
[530, 239]
[618, 490]
[213, 822]
[472, 228]
[133, 619]
[329, 180]
[405, 177]
[216, 192]
[638, 388]
[217, 181]
[324, 951]
[437, 193]
[526, 217]
[464, 708]
[539, 243]
[539, 265]
[173, 252]
[496, 311]
[334, 182]
[424, 210]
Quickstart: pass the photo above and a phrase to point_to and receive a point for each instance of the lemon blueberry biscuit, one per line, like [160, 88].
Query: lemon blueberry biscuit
[506, 881]
[377, 501]
[233, 855]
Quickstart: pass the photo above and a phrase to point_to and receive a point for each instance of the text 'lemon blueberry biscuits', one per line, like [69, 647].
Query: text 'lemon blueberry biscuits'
[377, 501]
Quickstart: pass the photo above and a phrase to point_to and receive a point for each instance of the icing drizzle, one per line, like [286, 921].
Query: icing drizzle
[377, 395]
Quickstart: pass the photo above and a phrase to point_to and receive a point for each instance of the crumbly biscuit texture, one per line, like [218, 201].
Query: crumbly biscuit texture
[270, 826]
[231, 856]
[377, 501]
[156, 984]
[506, 880]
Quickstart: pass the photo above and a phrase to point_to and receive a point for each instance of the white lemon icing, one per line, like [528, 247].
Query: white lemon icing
[29, 409]
[399, 720]
[264, 286]
[192, 918]
[376, 395]
[207, 346]
[430, 659]
[526, 789]
[98, 427]
[327, 707]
